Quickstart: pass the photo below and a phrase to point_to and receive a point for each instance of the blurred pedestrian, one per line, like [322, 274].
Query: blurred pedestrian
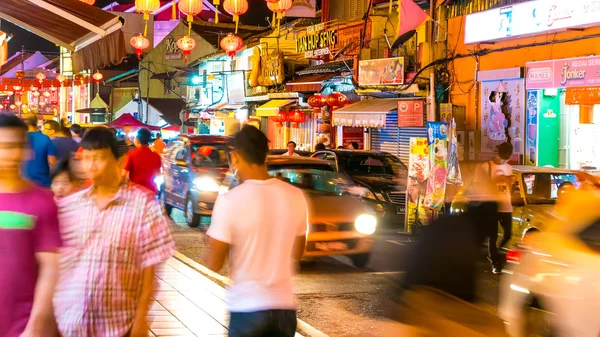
[158, 145]
[64, 180]
[263, 221]
[61, 137]
[76, 132]
[106, 279]
[29, 241]
[143, 164]
[291, 149]
[43, 155]
[320, 147]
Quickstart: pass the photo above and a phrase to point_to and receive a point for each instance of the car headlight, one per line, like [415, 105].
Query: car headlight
[366, 224]
[380, 196]
[159, 180]
[206, 185]
[368, 194]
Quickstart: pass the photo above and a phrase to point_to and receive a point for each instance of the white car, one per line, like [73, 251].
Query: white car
[552, 287]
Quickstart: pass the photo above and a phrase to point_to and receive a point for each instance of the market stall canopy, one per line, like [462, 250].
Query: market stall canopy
[92, 34]
[309, 83]
[271, 108]
[368, 113]
[98, 103]
[128, 120]
[177, 128]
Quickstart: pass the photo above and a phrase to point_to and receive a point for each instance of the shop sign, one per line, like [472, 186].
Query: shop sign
[381, 71]
[317, 41]
[353, 134]
[315, 29]
[532, 17]
[410, 113]
[172, 51]
[271, 69]
[499, 74]
[574, 72]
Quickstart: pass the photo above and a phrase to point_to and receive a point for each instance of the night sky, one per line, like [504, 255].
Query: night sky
[255, 16]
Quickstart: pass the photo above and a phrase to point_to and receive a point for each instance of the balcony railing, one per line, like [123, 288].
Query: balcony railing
[464, 7]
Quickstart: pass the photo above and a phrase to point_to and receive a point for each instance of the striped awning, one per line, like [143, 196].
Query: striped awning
[369, 113]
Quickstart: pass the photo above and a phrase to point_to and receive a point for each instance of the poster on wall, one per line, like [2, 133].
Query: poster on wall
[532, 127]
[502, 106]
[437, 140]
[353, 134]
[418, 167]
[388, 71]
[446, 112]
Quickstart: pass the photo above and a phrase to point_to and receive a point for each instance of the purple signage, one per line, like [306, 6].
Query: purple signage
[574, 72]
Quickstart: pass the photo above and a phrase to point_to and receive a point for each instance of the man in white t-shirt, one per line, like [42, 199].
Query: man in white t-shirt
[262, 223]
[291, 146]
[497, 175]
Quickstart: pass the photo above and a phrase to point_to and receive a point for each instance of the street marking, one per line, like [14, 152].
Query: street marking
[306, 328]
[396, 242]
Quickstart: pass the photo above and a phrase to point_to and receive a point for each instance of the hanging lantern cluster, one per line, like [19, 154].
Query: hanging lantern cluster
[296, 117]
[231, 44]
[186, 44]
[139, 43]
[236, 8]
[146, 7]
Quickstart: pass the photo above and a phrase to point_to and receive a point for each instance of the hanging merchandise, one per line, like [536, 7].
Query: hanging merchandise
[236, 8]
[231, 44]
[139, 43]
[418, 169]
[147, 7]
[438, 162]
[454, 175]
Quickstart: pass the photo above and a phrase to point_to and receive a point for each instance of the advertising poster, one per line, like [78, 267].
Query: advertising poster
[532, 127]
[502, 114]
[437, 139]
[353, 134]
[418, 167]
[410, 113]
[388, 71]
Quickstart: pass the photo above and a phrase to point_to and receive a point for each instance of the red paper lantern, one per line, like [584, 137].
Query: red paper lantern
[231, 44]
[317, 101]
[236, 8]
[20, 74]
[296, 117]
[10, 93]
[46, 94]
[147, 7]
[53, 88]
[33, 88]
[40, 76]
[6, 102]
[12, 106]
[18, 103]
[186, 44]
[97, 76]
[60, 78]
[191, 8]
[54, 102]
[36, 94]
[280, 7]
[139, 43]
[280, 118]
[336, 100]
[17, 88]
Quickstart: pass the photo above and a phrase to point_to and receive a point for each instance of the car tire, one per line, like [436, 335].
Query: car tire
[192, 218]
[535, 323]
[360, 260]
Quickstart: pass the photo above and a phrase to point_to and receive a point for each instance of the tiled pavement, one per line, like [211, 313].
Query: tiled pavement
[186, 303]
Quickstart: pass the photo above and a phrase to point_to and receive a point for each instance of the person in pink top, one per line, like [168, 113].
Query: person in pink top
[29, 241]
[114, 234]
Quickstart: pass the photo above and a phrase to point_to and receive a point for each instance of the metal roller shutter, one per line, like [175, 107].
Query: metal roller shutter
[386, 140]
[405, 134]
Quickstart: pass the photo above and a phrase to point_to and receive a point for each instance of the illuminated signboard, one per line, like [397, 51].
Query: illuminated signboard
[66, 63]
[317, 43]
[528, 18]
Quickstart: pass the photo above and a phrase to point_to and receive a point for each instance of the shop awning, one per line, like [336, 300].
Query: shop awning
[369, 113]
[309, 83]
[271, 108]
[92, 34]
[169, 108]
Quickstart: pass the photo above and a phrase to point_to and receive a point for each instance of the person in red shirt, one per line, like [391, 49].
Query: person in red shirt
[143, 164]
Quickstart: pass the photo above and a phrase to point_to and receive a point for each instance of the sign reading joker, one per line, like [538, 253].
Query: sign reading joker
[574, 72]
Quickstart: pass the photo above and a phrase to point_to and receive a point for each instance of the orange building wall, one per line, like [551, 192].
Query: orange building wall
[463, 70]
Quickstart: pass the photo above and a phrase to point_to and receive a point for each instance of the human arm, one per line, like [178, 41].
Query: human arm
[140, 327]
[51, 153]
[40, 320]
[219, 235]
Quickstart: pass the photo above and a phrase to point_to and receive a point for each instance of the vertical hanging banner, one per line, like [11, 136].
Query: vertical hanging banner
[437, 138]
[418, 167]
[532, 127]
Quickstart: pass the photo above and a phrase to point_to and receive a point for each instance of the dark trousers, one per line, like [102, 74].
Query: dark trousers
[268, 323]
[505, 220]
[485, 215]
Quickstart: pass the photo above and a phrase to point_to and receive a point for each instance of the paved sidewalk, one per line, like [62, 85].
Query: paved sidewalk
[187, 303]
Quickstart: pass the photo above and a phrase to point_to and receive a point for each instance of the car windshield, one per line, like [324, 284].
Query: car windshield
[372, 164]
[313, 178]
[544, 188]
[211, 155]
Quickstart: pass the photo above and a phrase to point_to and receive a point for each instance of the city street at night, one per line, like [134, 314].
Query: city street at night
[337, 298]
